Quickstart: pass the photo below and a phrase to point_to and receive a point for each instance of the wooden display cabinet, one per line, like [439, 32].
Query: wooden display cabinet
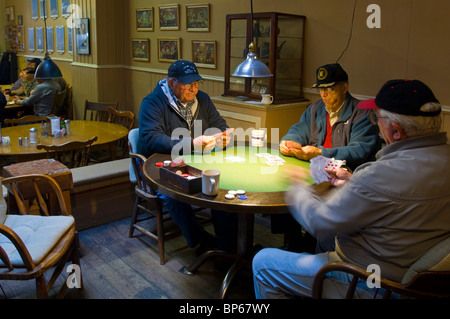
[278, 39]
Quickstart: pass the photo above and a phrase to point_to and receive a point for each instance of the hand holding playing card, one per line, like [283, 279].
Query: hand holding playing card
[338, 176]
[318, 166]
[204, 143]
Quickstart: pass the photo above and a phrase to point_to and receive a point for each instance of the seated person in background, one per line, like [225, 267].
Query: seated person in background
[177, 104]
[388, 212]
[33, 63]
[41, 97]
[29, 83]
[333, 127]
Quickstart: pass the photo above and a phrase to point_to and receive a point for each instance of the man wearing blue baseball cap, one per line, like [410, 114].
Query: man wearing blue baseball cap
[177, 106]
[388, 212]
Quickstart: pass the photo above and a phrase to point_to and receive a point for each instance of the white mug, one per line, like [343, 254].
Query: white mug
[258, 138]
[210, 182]
[266, 99]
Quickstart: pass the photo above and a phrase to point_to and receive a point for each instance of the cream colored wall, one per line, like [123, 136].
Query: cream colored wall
[408, 45]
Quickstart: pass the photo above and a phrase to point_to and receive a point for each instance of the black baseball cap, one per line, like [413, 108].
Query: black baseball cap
[329, 74]
[184, 71]
[35, 61]
[403, 97]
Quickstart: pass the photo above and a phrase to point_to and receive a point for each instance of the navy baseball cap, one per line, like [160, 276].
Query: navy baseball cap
[329, 74]
[184, 71]
[403, 97]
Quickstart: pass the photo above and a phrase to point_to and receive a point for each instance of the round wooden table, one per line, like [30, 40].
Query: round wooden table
[79, 131]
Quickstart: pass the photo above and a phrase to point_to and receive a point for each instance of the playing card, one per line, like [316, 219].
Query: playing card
[318, 165]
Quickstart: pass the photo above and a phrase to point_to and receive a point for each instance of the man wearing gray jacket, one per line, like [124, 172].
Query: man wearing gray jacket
[388, 212]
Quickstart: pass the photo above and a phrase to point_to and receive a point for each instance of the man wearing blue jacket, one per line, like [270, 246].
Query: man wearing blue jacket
[333, 127]
[177, 118]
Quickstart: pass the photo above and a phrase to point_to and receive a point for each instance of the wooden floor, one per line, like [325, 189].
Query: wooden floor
[115, 266]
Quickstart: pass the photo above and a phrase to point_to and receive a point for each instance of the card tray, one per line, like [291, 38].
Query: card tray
[190, 186]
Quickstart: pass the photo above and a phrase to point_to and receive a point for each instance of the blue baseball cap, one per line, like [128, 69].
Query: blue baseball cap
[184, 71]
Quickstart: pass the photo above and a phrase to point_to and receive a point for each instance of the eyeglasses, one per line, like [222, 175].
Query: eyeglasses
[330, 89]
[374, 118]
[188, 87]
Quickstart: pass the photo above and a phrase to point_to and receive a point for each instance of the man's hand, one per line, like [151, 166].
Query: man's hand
[339, 176]
[287, 147]
[204, 143]
[224, 138]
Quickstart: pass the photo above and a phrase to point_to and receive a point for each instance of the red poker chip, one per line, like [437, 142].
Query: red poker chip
[159, 164]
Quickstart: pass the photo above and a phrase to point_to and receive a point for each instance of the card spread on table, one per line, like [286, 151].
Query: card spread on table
[318, 165]
[235, 159]
[271, 159]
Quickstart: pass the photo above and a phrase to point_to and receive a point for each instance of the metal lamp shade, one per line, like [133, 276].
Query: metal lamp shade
[48, 70]
[252, 68]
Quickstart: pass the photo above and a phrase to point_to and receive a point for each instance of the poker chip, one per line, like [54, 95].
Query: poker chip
[232, 192]
[242, 197]
[167, 163]
[179, 172]
[185, 175]
[240, 192]
[229, 196]
[159, 164]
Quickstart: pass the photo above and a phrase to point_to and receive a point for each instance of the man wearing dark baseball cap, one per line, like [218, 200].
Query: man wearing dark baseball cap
[388, 213]
[177, 118]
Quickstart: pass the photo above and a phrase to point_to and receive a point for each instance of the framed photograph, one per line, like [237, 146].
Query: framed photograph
[60, 40]
[54, 9]
[65, 4]
[20, 20]
[34, 10]
[50, 42]
[144, 19]
[39, 39]
[82, 36]
[140, 49]
[43, 9]
[169, 49]
[197, 17]
[70, 40]
[204, 54]
[10, 15]
[169, 17]
[31, 42]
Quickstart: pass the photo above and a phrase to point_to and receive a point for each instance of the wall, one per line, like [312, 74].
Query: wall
[408, 45]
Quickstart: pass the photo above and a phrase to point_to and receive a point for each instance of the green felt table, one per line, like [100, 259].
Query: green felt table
[242, 169]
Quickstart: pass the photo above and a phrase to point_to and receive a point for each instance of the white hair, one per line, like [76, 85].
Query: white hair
[417, 125]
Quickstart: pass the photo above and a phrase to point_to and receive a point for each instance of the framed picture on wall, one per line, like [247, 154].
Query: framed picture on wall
[169, 17]
[31, 43]
[10, 15]
[43, 9]
[144, 19]
[34, 10]
[169, 49]
[70, 40]
[39, 39]
[82, 36]
[50, 42]
[65, 4]
[60, 40]
[141, 49]
[204, 54]
[197, 17]
[54, 9]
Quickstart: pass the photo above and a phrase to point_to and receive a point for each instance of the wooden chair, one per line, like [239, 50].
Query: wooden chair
[27, 119]
[59, 103]
[126, 119]
[428, 277]
[72, 154]
[98, 111]
[33, 243]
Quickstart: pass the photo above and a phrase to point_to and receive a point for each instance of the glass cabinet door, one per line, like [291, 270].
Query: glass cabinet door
[278, 43]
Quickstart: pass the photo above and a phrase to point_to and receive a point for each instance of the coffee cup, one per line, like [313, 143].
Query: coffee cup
[210, 182]
[258, 138]
[266, 99]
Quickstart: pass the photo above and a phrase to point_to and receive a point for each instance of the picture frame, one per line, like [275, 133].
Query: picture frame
[60, 40]
[141, 49]
[34, 10]
[169, 17]
[39, 39]
[169, 49]
[65, 8]
[54, 9]
[70, 40]
[204, 53]
[82, 36]
[144, 19]
[10, 15]
[43, 9]
[31, 42]
[50, 41]
[197, 17]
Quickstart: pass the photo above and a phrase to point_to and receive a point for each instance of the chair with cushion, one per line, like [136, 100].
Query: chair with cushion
[27, 119]
[428, 277]
[72, 154]
[147, 202]
[35, 241]
[98, 111]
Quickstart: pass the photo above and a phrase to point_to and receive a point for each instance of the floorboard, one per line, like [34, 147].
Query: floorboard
[115, 266]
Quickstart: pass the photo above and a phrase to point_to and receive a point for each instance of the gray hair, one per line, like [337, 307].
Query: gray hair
[417, 125]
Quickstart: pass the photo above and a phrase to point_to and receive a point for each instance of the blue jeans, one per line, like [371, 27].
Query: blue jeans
[225, 225]
[283, 274]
